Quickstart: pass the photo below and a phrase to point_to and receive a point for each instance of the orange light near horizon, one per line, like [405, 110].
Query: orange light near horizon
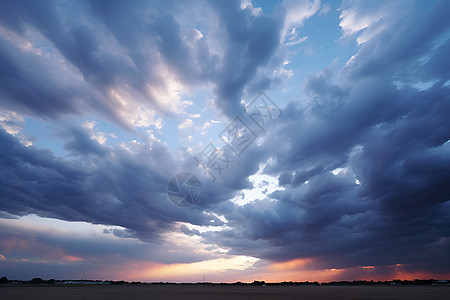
[72, 258]
[238, 268]
[408, 275]
[291, 264]
[368, 267]
[194, 270]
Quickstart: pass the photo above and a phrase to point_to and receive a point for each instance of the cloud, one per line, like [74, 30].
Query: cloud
[254, 40]
[62, 249]
[369, 18]
[247, 4]
[187, 231]
[393, 140]
[133, 71]
[296, 13]
[13, 123]
[295, 39]
[95, 185]
[186, 124]
[82, 143]
[381, 119]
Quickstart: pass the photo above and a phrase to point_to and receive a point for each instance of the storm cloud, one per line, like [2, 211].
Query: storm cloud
[360, 156]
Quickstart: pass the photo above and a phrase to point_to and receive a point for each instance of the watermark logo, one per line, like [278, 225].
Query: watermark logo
[262, 110]
[214, 160]
[184, 189]
[237, 137]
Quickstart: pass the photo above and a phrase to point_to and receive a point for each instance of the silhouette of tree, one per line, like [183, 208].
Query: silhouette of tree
[36, 280]
[3, 280]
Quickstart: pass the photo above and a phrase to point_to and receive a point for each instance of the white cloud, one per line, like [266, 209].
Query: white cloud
[206, 125]
[99, 137]
[247, 4]
[366, 19]
[151, 135]
[88, 125]
[294, 38]
[10, 121]
[168, 94]
[283, 73]
[13, 124]
[296, 13]
[263, 186]
[134, 113]
[186, 124]
[193, 35]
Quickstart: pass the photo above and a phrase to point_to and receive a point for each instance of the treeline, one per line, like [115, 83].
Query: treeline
[355, 282]
[392, 282]
[5, 280]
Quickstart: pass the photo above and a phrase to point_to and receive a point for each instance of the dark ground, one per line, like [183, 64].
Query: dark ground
[221, 292]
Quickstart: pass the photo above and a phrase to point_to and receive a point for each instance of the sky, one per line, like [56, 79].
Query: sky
[225, 141]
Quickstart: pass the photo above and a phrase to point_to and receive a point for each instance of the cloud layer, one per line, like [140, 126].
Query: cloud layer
[361, 155]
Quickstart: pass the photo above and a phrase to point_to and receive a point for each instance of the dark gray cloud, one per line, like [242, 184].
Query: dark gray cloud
[251, 42]
[111, 187]
[116, 45]
[108, 44]
[373, 119]
[392, 138]
[82, 144]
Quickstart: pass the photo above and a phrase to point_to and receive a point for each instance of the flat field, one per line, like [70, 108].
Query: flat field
[187, 292]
